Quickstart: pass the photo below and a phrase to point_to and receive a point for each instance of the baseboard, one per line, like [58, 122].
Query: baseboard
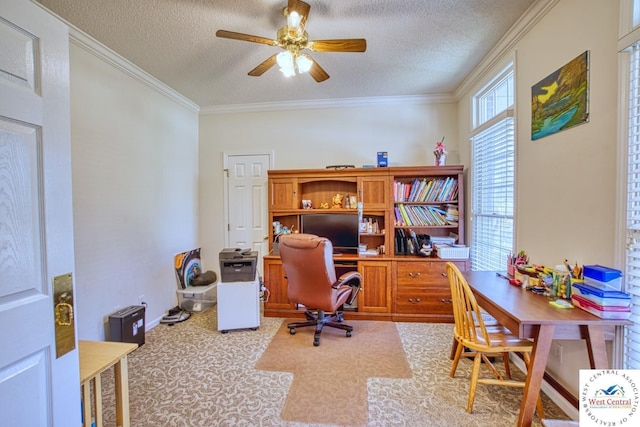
[556, 391]
[152, 324]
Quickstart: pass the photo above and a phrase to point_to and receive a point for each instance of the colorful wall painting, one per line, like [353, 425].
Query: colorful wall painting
[561, 100]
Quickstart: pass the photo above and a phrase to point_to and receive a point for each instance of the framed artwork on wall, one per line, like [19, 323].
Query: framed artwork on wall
[561, 100]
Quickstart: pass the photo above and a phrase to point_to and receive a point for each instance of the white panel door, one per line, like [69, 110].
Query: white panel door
[247, 206]
[37, 388]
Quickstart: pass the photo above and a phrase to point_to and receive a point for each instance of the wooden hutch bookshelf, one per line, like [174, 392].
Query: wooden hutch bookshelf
[395, 286]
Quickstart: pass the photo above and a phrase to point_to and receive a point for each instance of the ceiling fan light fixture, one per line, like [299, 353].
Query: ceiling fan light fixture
[293, 20]
[304, 63]
[285, 59]
[286, 63]
[293, 39]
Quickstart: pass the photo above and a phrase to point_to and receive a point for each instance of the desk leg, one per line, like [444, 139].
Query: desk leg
[97, 394]
[535, 373]
[86, 402]
[596, 346]
[122, 392]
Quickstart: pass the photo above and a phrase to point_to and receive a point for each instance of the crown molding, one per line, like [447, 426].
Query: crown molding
[315, 104]
[505, 45]
[524, 24]
[91, 45]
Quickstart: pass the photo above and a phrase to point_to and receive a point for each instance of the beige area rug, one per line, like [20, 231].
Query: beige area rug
[330, 381]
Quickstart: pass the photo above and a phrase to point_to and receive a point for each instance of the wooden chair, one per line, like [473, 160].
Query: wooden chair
[482, 341]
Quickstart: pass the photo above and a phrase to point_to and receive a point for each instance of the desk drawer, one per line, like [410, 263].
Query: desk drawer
[423, 301]
[420, 273]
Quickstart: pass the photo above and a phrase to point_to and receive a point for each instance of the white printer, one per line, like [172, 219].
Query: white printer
[238, 290]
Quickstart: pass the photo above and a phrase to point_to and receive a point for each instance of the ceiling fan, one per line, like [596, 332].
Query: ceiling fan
[293, 39]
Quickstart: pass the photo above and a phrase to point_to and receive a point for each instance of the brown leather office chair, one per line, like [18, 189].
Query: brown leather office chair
[308, 265]
[482, 341]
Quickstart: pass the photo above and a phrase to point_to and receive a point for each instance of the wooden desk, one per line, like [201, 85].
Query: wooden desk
[529, 315]
[95, 358]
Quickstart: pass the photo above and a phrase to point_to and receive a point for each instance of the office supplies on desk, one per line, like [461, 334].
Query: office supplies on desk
[561, 303]
[511, 281]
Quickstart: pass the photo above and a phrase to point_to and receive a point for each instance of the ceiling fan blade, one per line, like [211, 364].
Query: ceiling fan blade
[318, 73]
[302, 9]
[338, 45]
[245, 37]
[264, 66]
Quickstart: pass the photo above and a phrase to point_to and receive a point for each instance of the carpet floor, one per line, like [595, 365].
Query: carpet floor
[190, 374]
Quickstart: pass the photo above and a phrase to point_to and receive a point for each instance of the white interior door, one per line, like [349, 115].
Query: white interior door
[38, 387]
[247, 202]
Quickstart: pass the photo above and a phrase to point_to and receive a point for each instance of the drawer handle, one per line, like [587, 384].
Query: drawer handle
[414, 275]
[444, 274]
[412, 301]
[446, 301]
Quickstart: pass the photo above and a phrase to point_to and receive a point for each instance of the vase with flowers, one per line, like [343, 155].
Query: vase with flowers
[440, 152]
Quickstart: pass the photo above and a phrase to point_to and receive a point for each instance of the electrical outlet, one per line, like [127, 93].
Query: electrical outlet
[140, 299]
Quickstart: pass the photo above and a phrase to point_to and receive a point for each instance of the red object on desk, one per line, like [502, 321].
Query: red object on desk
[514, 282]
[529, 315]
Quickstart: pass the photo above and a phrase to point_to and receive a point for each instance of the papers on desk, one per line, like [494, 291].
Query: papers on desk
[369, 252]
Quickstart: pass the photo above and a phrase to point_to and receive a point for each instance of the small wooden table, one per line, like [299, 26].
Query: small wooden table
[95, 358]
[530, 316]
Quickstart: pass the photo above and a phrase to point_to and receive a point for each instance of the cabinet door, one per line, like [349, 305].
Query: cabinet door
[373, 192]
[283, 194]
[276, 283]
[375, 296]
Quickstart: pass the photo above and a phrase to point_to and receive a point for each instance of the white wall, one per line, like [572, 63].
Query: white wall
[315, 138]
[135, 184]
[566, 182]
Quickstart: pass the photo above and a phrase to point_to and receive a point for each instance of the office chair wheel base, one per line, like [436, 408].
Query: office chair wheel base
[292, 331]
[316, 341]
[348, 333]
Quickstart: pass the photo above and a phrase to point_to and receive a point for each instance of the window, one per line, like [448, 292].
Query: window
[492, 177]
[632, 273]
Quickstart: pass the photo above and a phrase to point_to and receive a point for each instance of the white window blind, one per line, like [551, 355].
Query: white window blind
[492, 173]
[492, 199]
[632, 273]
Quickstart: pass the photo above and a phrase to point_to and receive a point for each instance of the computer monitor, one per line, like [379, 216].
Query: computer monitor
[341, 228]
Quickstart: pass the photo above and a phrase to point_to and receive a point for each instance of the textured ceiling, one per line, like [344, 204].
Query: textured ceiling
[414, 47]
